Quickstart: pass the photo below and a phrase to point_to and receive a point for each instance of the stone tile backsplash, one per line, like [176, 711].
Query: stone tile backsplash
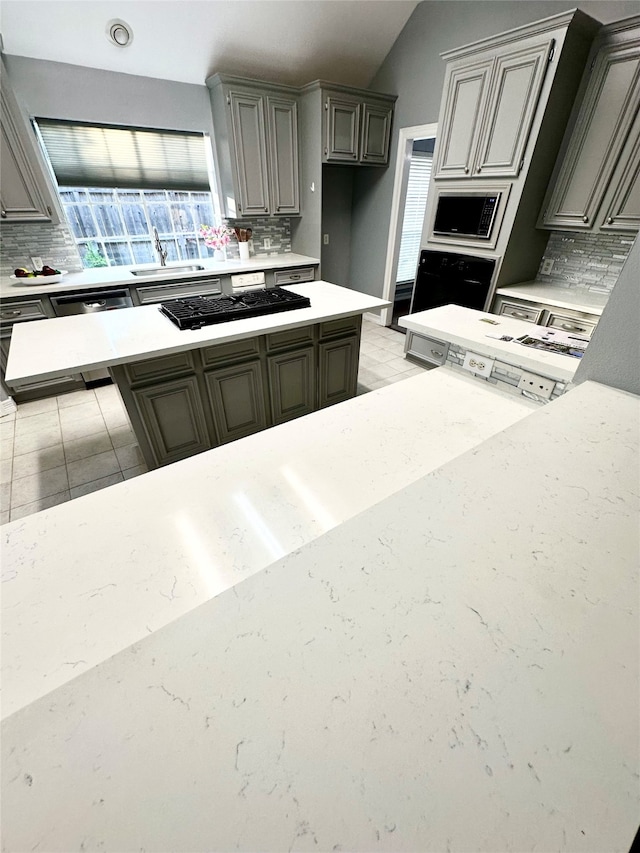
[588, 261]
[21, 241]
[275, 228]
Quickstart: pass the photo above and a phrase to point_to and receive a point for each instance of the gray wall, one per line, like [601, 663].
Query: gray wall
[613, 354]
[414, 71]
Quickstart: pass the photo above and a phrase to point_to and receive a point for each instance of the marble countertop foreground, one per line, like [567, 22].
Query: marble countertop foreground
[571, 298]
[91, 279]
[480, 332]
[45, 349]
[456, 668]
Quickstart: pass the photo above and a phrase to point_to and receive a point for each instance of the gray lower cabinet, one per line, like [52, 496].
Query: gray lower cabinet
[236, 394]
[174, 419]
[292, 387]
[186, 402]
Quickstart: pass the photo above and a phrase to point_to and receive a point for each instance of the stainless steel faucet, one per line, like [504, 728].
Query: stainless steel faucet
[162, 252]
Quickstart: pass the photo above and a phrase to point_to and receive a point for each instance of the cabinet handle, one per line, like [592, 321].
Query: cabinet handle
[16, 313]
[571, 328]
[436, 353]
[466, 170]
[4, 214]
[479, 169]
[610, 220]
[585, 218]
[519, 314]
[294, 277]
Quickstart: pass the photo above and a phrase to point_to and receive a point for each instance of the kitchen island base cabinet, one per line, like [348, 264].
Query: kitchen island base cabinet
[184, 403]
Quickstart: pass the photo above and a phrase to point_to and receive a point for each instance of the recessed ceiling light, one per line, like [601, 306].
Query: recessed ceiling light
[119, 33]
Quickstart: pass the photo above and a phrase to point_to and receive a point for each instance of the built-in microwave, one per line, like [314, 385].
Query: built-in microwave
[466, 214]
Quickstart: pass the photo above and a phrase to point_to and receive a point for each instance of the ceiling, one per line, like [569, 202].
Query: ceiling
[286, 41]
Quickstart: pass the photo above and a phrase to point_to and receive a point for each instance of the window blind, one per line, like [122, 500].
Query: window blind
[414, 210]
[92, 155]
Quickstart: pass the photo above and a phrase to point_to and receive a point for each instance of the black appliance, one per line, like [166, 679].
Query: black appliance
[445, 278]
[197, 311]
[466, 214]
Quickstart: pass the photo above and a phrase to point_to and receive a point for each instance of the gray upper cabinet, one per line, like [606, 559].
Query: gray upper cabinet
[24, 195]
[356, 127]
[596, 180]
[256, 135]
[488, 108]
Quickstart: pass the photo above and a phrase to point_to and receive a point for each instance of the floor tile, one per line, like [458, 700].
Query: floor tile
[83, 428]
[5, 516]
[129, 456]
[38, 440]
[122, 435]
[384, 371]
[37, 407]
[93, 468]
[37, 423]
[129, 473]
[5, 496]
[381, 383]
[379, 355]
[39, 460]
[81, 412]
[114, 418]
[37, 506]
[96, 485]
[400, 365]
[6, 469]
[75, 398]
[88, 445]
[33, 488]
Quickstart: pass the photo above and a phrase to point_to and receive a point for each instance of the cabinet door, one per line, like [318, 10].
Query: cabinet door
[621, 209]
[250, 143]
[513, 97]
[237, 398]
[337, 370]
[292, 388]
[21, 198]
[461, 115]
[342, 130]
[600, 133]
[173, 419]
[283, 156]
[376, 133]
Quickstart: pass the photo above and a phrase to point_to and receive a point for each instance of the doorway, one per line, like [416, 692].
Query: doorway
[413, 171]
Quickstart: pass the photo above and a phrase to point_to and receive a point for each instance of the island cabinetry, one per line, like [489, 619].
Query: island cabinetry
[489, 104]
[183, 403]
[596, 184]
[565, 319]
[257, 146]
[24, 194]
[152, 293]
[356, 126]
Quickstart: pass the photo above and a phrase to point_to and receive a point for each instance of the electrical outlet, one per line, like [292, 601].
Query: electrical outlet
[538, 385]
[37, 263]
[267, 242]
[325, 239]
[478, 364]
[547, 266]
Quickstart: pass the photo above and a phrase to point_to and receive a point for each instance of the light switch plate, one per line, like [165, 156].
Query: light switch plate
[478, 364]
[538, 385]
[38, 263]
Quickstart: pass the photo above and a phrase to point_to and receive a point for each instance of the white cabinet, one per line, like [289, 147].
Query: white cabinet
[596, 185]
[24, 194]
[356, 127]
[489, 103]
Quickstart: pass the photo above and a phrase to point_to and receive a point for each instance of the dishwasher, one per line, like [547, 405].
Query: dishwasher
[90, 303]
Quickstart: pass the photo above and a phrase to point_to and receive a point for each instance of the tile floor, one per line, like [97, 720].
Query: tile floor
[60, 448]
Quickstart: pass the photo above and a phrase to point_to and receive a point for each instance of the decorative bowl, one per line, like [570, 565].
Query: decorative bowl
[39, 279]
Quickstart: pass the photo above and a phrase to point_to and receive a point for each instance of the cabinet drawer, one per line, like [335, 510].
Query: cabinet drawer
[527, 313]
[429, 350]
[294, 276]
[290, 337]
[30, 309]
[342, 326]
[233, 351]
[572, 323]
[158, 368]
[162, 292]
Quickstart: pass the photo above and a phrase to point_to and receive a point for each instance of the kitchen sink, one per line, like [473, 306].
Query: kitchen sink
[150, 271]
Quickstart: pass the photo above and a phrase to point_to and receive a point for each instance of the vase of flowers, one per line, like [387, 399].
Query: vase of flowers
[216, 237]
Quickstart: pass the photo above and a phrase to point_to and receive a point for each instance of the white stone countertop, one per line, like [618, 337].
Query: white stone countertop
[469, 328]
[90, 279]
[88, 578]
[45, 349]
[571, 298]
[455, 668]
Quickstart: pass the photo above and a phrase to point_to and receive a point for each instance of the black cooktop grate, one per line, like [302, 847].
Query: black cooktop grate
[196, 311]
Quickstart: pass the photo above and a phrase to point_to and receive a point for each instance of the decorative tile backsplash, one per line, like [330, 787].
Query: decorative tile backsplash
[274, 228]
[588, 261]
[21, 241]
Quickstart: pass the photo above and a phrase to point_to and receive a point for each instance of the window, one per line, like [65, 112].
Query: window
[117, 183]
[415, 206]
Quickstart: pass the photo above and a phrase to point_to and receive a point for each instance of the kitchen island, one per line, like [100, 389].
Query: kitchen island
[187, 390]
[456, 667]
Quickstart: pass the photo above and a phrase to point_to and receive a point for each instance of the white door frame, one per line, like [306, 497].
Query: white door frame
[406, 135]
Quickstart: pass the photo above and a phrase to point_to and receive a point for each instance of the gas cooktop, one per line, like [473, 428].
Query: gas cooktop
[194, 312]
